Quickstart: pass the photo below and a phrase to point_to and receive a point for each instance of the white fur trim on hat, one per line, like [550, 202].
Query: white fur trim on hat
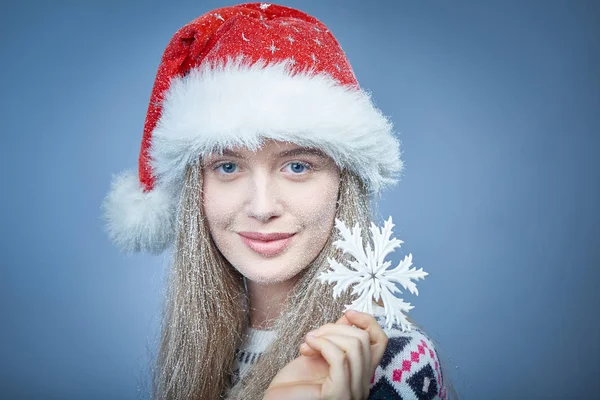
[216, 107]
[138, 220]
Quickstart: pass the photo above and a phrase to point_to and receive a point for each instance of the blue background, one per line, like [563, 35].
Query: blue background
[497, 105]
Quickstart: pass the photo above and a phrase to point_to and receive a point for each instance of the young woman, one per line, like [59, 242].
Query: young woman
[257, 138]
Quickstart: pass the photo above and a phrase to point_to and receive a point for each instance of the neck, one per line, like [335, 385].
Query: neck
[266, 301]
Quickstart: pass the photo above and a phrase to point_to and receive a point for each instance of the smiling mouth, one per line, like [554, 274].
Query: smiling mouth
[267, 245]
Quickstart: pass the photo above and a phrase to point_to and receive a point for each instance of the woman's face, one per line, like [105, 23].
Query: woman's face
[270, 212]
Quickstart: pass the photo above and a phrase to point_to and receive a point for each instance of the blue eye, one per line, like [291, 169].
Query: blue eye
[227, 168]
[298, 167]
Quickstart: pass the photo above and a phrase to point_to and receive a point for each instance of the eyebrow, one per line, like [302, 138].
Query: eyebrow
[300, 151]
[231, 153]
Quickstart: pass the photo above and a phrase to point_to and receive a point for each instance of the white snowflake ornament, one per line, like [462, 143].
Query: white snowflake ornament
[371, 276]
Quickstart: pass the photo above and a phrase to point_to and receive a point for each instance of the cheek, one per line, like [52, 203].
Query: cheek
[316, 210]
[219, 207]
[316, 205]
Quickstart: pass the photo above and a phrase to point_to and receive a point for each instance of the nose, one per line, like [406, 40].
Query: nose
[263, 198]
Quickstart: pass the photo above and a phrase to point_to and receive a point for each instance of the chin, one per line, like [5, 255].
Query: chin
[270, 272]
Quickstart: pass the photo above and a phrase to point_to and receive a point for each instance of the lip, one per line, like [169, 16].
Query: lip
[266, 244]
[266, 237]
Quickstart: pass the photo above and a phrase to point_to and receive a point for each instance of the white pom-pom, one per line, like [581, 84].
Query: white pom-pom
[138, 220]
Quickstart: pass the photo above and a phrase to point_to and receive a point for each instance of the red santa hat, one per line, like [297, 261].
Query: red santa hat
[237, 76]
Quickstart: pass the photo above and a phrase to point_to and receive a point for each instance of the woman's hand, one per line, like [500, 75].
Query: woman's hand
[336, 362]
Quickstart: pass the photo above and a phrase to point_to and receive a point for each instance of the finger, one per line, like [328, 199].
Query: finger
[359, 320]
[343, 321]
[361, 335]
[339, 370]
[359, 362]
[378, 338]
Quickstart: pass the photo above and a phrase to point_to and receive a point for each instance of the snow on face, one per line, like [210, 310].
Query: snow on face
[280, 188]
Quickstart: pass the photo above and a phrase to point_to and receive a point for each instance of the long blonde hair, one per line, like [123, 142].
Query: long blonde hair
[206, 310]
